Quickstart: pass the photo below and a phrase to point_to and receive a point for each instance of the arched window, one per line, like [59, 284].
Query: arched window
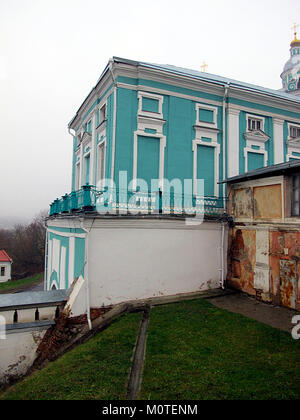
[37, 315]
[16, 316]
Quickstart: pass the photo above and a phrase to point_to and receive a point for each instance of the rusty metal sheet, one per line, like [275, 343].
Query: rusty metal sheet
[288, 283]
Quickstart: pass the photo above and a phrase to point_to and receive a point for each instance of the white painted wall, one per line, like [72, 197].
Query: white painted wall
[18, 352]
[141, 258]
[7, 266]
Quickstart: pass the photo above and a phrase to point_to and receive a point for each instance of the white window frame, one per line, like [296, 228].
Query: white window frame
[290, 126]
[162, 145]
[160, 100]
[213, 134]
[77, 175]
[214, 124]
[256, 118]
[256, 138]
[85, 155]
[99, 110]
[100, 181]
[293, 143]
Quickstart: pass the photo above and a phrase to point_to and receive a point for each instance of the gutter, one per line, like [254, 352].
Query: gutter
[224, 138]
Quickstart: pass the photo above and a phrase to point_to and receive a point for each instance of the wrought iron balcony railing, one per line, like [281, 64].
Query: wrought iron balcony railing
[90, 199]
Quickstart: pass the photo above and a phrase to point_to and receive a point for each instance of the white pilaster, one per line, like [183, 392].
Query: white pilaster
[232, 141]
[93, 149]
[278, 140]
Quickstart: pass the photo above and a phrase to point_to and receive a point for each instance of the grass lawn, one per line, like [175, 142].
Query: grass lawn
[98, 369]
[11, 286]
[197, 351]
[194, 351]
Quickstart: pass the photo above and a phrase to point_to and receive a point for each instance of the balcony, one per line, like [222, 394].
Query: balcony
[113, 201]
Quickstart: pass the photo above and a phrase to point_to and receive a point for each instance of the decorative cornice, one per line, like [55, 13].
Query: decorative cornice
[257, 136]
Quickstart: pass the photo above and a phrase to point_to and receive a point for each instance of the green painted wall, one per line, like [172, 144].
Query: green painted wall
[64, 242]
[148, 159]
[79, 257]
[255, 161]
[126, 124]
[150, 105]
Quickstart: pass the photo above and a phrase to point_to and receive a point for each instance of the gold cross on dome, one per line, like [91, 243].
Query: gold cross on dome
[295, 26]
[203, 67]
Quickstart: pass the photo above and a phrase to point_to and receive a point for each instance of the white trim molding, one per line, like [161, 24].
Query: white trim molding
[159, 135]
[233, 141]
[156, 97]
[201, 123]
[99, 182]
[213, 135]
[257, 118]
[257, 139]
[278, 140]
[293, 147]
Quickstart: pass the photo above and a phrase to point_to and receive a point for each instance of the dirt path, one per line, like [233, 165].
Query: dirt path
[276, 316]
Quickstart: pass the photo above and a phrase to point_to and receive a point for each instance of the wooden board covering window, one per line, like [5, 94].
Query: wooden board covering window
[267, 202]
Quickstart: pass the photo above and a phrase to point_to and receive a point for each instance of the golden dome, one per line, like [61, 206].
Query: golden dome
[295, 42]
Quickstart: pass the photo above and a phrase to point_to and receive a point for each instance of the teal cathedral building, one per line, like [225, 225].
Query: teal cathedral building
[142, 139]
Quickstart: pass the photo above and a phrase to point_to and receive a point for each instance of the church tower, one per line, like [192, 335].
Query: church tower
[291, 71]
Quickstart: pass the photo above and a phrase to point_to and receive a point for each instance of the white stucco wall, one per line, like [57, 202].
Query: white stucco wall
[141, 258]
[18, 351]
[7, 266]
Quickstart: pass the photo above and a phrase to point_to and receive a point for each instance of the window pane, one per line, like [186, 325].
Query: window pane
[295, 195]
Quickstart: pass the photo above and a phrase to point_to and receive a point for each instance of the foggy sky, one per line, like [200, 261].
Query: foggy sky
[52, 53]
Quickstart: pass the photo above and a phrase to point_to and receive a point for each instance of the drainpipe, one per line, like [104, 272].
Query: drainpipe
[222, 283]
[86, 278]
[114, 122]
[224, 139]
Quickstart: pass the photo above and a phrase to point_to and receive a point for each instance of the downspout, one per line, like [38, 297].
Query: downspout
[222, 283]
[224, 139]
[114, 123]
[86, 277]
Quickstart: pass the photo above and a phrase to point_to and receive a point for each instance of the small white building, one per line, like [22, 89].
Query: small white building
[5, 266]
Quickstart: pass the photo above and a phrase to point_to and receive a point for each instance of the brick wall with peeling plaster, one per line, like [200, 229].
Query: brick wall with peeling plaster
[264, 252]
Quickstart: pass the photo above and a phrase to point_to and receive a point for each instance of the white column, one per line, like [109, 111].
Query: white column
[278, 140]
[232, 141]
[93, 149]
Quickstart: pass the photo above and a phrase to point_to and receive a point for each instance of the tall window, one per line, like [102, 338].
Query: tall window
[102, 114]
[77, 176]
[2, 271]
[295, 195]
[101, 163]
